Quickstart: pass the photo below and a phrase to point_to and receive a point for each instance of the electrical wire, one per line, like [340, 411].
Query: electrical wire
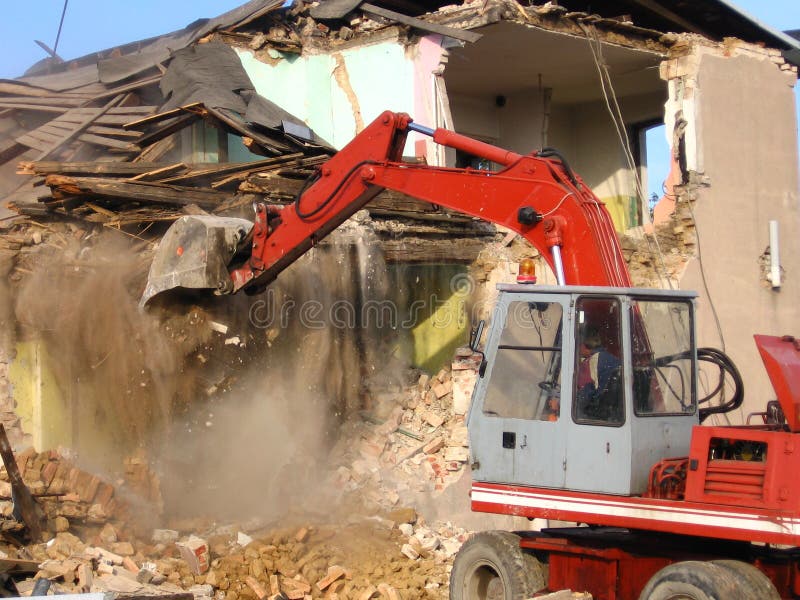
[703, 277]
[60, 25]
[610, 96]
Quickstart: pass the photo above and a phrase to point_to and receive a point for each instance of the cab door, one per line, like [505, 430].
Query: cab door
[517, 423]
[598, 457]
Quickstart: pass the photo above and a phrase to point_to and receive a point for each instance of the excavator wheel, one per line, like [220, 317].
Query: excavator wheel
[753, 581]
[695, 580]
[492, 566]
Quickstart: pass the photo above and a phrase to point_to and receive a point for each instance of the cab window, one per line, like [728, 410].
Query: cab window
[599, 388]
[525, 380]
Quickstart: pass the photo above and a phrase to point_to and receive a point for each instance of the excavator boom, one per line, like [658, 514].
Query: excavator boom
[537, 195]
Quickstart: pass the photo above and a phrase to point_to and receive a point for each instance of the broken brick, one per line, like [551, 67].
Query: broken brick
[257, 588]
[334, 572]
[433, 419]
[434, 445]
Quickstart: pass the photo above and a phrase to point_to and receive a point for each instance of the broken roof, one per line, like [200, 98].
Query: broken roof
[714, 19]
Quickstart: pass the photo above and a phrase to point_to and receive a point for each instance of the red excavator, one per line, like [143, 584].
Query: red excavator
[587, 408]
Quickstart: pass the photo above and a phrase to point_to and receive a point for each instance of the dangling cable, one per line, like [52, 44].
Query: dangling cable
[610, 96]
[60, 25]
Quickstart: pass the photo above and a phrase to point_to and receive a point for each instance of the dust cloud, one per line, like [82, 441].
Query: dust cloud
[305, 362]
[114, 368]
[235, 402]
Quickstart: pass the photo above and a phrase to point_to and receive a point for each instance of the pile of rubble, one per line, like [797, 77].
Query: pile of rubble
[413, 441]
[410, 445]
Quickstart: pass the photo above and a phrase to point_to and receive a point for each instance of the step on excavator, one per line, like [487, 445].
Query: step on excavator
[587, 409]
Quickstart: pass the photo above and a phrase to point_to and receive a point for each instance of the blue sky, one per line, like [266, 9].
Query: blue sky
[91, 25]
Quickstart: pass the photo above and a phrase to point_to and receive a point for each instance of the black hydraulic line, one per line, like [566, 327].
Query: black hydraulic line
[312, 179]
[726, 367]
[553, 153]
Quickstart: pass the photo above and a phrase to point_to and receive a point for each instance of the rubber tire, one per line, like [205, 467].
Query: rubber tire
[753, 581]
[492, 566]
[694, 580]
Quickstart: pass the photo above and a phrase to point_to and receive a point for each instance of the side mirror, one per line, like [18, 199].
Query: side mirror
[475, 336]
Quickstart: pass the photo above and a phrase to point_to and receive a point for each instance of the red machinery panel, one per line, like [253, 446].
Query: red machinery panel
[781, 356]
[744, 467]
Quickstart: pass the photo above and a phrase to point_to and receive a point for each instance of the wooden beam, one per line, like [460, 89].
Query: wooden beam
[122, 169]
[237, 168]
[136, 191]
[161, 173]
[671, 16]
[23, 499]
[176, 125]
[452, 32]
[10, 149]
[161, 116]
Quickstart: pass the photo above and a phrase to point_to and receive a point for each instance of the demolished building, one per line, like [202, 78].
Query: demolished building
[98, 155]
[244, 106]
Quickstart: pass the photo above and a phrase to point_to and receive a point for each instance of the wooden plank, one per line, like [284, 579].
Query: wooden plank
[82, 125]
[48, 100]
[156, 151]
[55, 126]
[100, 210]
[99, 140]
[132, 110]
[167, 130]
[137, 191]
[20, 89]
[459, 34]
[32, 142]
[239, 177]
[11, 149]
[54, 109]
[99, 130]
[159, 173]
[101, 120]
[22, 495]
[116, 110]
[129, 87]
[238, 168]
[122, 169]
[161, 116]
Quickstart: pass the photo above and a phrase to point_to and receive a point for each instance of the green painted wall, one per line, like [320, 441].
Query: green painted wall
[307, 86]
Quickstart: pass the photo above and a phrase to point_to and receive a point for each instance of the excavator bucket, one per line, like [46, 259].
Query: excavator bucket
[194, 254]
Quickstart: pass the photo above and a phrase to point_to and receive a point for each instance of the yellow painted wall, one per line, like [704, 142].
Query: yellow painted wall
[434, 301]
[623, 211]
[40, 406]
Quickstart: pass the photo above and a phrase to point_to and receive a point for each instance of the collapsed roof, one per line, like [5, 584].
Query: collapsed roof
[126, 103]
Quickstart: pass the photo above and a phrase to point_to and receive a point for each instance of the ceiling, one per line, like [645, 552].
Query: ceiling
[511, 57]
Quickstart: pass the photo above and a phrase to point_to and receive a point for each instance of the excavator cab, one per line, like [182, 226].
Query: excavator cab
[584, 388]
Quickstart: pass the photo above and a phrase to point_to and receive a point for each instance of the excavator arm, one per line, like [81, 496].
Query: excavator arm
[535, 195]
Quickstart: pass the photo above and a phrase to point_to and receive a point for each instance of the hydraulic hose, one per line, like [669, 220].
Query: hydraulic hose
[726, 367]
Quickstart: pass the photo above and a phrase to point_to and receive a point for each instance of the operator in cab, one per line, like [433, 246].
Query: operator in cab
[599, 393]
